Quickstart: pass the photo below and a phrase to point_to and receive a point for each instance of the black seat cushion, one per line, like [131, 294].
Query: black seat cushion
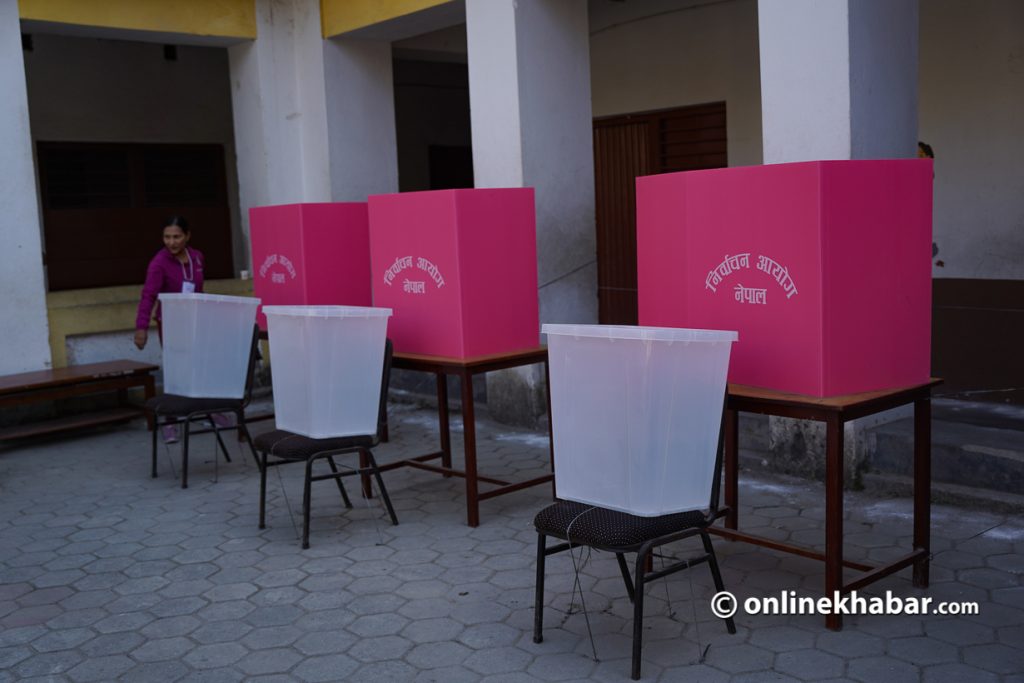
[172, 404]
[603, 528]
[291, 446]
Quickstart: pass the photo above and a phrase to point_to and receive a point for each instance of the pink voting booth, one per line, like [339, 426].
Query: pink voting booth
[310, 254]
[823, 267]
[458, 268]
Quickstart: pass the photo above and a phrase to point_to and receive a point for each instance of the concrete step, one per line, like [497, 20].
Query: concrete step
[962, 453]
[883, 484]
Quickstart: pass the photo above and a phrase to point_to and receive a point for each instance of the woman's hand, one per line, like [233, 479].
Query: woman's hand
[140, 338]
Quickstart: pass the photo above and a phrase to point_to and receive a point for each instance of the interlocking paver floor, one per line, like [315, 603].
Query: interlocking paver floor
[106, 574]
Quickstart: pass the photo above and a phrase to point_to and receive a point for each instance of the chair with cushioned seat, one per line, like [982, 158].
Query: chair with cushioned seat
[288, 447]
[580, 524]
[174, 409]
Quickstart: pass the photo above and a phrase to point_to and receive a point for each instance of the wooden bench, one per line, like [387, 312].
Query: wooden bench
[77, 380]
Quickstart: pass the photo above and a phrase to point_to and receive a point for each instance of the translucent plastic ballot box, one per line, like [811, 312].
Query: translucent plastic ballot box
[311, 254]
[459, 268]
[635, 414]
[823, 267]
[326, 368]
[206, 343]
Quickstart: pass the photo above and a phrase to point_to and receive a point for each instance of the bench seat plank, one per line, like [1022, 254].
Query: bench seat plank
[75, 374]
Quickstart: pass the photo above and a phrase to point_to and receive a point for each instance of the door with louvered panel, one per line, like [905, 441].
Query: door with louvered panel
[684, 139]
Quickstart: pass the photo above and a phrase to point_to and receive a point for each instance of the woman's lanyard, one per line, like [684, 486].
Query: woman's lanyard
[187, 284]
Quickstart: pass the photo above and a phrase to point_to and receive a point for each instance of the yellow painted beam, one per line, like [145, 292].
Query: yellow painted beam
[342, 16]
[228, 18]
[107, 309]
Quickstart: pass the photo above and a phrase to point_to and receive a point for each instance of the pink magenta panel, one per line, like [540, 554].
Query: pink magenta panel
[459, 269]
[822, 267]
[311, 254]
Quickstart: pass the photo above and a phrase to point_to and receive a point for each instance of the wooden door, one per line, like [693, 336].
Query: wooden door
[684, 139]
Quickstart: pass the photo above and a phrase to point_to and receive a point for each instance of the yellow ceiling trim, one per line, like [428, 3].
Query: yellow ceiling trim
[342, 16]
[229, 18]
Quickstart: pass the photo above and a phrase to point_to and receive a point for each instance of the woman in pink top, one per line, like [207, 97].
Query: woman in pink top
[176, 268]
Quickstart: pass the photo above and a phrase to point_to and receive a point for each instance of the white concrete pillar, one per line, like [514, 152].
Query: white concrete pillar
[314, 118]
[363, 145]
[24, 342]
[279, 107]
[529, 93]
[531, 120]
[838, 79]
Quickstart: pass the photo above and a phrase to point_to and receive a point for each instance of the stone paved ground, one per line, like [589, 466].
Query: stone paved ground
[108, 575]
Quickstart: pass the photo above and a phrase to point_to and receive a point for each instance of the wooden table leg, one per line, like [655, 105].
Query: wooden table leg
[469, 446]
[732, 461]
[922, 487]
[833, 514]
[443, 420]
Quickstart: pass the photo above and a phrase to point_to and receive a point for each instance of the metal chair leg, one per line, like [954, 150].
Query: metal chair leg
[156, 429]
[263, 491]
[709, 548]
[626, 578]
[220, 441]
[307, 485]
[243, 430]
[383, 491]
[538, 601]
[638, 609]
[337, 480]
[184, 455]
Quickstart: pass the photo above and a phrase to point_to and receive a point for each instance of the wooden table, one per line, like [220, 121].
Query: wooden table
[835, 412]
[466, 369]
[76, 380]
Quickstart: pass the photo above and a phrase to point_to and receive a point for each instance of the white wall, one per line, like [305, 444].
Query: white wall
[972, 113]
[99, 90]
[24, 340]
[660, 54]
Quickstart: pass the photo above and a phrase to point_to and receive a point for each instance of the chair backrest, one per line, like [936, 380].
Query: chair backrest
[254, 354]
[716, 482]
[382, 411]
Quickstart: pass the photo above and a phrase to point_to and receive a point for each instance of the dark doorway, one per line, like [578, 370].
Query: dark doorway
[451, 167]
[432, 125]
[684, 139]
[104, 206]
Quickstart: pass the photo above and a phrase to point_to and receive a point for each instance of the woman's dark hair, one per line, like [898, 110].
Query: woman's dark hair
[926, 149]
[178, 221]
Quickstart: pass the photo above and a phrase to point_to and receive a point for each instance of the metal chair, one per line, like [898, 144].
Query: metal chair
[289, 447]
[184, 409]
[579, 524]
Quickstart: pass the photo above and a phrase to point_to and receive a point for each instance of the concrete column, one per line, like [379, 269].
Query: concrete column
[529, 95]
[838, 79]
[24, 344]
[530, 113]
[314, 118]
[363, 146]
[279, 109]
